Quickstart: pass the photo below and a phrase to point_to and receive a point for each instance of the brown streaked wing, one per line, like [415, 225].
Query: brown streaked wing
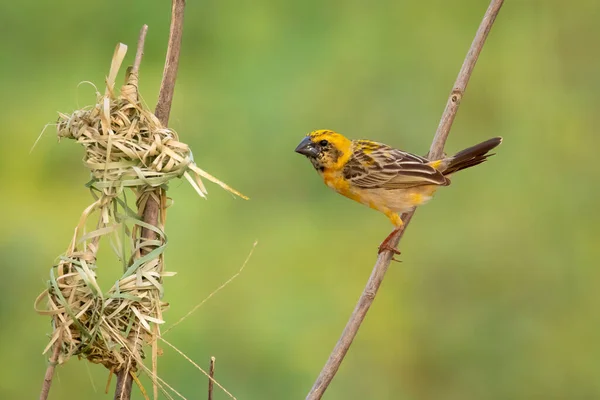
[381, 166]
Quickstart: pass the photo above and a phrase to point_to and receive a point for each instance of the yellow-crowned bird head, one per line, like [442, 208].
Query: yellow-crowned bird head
[325, 149]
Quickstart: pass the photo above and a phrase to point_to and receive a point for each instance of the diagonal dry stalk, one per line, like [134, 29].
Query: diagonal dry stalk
[383, 260]
[162, 112]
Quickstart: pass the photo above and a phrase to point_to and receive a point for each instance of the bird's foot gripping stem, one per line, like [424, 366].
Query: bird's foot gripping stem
[386, 244]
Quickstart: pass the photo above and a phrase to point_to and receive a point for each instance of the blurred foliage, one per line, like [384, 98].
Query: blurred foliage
[495, 297]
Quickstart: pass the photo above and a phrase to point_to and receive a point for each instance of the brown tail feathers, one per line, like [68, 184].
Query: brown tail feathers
[471, 156]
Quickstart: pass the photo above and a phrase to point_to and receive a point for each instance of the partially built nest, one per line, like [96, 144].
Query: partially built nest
[126, 146]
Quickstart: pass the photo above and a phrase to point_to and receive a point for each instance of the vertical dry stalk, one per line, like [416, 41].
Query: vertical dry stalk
[50, 370]
[139, 53]
[167, 86]
[211, 373]
[162, 112]
[383, 261]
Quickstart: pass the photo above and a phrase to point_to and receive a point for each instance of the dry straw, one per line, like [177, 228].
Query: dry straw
[125, 147]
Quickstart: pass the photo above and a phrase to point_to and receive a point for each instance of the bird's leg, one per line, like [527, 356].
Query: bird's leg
[397, 221]
[385, 245]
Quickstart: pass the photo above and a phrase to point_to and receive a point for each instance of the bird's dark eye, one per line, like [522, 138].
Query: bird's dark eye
[323, 143]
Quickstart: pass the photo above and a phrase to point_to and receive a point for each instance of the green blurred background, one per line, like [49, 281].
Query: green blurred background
[496, 296]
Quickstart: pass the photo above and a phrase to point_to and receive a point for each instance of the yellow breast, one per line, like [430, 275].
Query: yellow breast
[335, 180]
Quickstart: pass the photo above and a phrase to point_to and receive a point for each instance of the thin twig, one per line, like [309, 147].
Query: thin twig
[227, 282]
[182, 354]
[383, 260]
[162, 112]
[140, 50]
[211, 377]
[167, 86]
[50, 370]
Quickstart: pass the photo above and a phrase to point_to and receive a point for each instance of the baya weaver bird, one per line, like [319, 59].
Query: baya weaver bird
[388, 180]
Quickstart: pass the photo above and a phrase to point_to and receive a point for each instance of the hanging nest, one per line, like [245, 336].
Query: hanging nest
[126, 146]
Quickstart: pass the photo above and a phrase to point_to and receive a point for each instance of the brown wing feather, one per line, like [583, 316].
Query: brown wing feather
[375, 165]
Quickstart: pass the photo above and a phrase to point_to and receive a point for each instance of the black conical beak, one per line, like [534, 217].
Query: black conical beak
[307, 148]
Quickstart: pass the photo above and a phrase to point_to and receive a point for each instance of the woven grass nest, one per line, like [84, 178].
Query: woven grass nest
[126, 146]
